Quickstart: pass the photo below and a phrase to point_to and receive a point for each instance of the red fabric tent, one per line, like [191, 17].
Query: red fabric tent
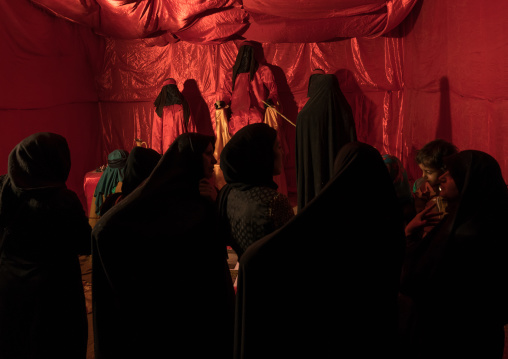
[411, 70]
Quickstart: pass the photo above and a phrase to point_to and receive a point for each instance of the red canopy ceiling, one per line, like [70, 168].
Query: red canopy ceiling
[217, 21]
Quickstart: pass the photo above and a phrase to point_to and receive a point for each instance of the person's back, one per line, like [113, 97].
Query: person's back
[43, 229]
[323, 126]
[314, 287]
[249, 204]
[254, 213]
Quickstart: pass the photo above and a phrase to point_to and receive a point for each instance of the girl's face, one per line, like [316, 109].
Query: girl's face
[209, 161]
[449, 190]
[431, 175]
[277, 157]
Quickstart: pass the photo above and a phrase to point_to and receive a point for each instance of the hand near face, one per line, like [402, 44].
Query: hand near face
[448, 188]
[207, 189]
[426, 218]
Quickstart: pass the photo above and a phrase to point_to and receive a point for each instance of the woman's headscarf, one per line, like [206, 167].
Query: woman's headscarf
[245, 62]
[41, 161]
[182, 164]
[247, 160]
[288, 293]
[140, 164]
[171, 95]
[480, 182]
[113, 174]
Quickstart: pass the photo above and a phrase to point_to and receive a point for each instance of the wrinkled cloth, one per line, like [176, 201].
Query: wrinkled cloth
[323, 126]
[454, 279]
[165, 303]
[218, 21]
[43, 230]
[112, 175]
[245, 88]
[140, 164]
[314, 287]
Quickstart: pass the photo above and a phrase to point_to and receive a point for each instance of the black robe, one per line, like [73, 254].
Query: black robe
[161, 284]
[43, 229]
[323, 126]
[325, 285]
[454, 293]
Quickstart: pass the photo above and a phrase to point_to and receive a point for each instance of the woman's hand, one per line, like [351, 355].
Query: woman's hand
[426, 218]
[208, 190]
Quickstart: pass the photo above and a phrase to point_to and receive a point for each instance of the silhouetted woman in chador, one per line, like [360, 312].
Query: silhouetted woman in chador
[316, 287]
[323, 126]
[174, 296]
[43, 230]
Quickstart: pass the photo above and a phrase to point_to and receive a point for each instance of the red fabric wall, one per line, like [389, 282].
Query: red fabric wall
[440, 73]
[200, 69]
[47, 83]
[456, 76]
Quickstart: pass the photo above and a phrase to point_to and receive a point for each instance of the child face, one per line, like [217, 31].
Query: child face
[431, 175]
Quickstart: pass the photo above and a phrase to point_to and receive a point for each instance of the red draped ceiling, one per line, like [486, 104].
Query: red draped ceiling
[411, 70]
[216, 21]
